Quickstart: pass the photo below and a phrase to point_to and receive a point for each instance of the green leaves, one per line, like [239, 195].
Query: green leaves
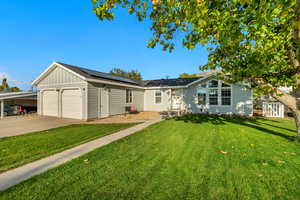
[248, 39]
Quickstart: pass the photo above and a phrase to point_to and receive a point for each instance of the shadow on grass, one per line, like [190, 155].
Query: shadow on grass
[255, 123]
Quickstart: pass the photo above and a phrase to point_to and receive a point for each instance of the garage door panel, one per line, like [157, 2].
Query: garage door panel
[50, 103]
[72, 104]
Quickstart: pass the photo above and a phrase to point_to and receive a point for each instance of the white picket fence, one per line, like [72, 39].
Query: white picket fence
[273, 109]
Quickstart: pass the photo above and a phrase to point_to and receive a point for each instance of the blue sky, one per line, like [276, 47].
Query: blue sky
[36, 33]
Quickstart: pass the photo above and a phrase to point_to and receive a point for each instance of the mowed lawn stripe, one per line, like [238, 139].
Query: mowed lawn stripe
[19, 150]
[210, 158]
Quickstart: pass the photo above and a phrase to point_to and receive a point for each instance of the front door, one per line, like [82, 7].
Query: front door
[176, 100]
[103, 103]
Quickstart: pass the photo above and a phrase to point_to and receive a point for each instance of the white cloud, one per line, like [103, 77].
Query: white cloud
[3, 75]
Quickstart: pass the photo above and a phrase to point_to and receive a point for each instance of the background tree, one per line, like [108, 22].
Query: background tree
[133, 74]
[186, 75]
[15, 89]
[4, 85]
[249, 40]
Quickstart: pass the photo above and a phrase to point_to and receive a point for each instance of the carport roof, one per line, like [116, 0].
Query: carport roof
[14, 95]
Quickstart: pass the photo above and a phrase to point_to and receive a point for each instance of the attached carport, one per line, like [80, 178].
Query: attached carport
[24, 97]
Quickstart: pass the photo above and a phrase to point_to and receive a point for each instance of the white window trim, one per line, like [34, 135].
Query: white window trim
[128, 103]
[205, 99]
[230, 96]
[160, 97]
[218, 96]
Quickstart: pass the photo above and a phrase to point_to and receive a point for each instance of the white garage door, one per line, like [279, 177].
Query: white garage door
[72, 104]
[50, 103]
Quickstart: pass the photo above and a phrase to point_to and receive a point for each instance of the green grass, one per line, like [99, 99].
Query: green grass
[194, 158]
[16, 151]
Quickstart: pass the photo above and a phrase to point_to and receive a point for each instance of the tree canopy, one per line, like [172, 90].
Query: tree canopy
[186, 75]
[248, 40]
[4, 85]
[133, 74]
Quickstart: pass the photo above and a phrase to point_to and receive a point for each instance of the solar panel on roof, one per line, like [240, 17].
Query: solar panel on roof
[107, 76]
[149, 83]
[171, 82]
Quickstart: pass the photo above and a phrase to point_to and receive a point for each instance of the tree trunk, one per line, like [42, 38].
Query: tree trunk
[297, 121]
[291, 102]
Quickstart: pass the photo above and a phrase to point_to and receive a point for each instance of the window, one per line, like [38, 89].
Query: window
[226, 96]
[158, 97]
[201, 95]
[128, 96]
[213, 96]
[203, 85]
[213, 84]
[217, 93]
[201, 98]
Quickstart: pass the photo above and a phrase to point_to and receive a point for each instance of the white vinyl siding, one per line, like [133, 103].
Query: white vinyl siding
[60, 76]
[117, 101]
[149, 102]
[240, 99]
[93, 99]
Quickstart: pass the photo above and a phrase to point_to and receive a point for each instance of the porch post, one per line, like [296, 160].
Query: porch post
[2, 109]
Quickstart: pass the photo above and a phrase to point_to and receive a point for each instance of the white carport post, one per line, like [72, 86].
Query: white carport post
[2, 108]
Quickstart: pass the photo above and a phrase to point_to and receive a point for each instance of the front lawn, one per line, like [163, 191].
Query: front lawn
[16, 151]
[203, 158]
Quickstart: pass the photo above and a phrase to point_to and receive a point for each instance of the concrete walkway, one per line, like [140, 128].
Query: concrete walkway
[14, 176]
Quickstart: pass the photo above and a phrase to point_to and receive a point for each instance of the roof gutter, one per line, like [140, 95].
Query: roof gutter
[17, 96]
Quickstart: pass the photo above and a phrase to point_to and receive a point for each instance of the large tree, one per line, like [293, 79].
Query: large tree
[257, 41]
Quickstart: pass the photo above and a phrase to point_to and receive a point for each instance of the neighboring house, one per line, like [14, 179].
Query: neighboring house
[73, 92]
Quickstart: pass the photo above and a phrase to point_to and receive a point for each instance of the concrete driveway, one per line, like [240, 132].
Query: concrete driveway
[12, 126]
